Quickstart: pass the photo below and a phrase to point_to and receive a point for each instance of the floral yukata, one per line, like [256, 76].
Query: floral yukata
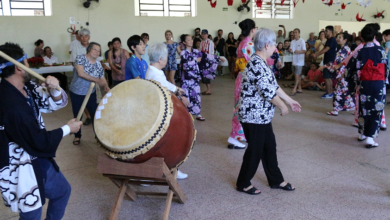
[244, 52]
[191, 75]
[272, 61]
[371, 65]
[342, 99]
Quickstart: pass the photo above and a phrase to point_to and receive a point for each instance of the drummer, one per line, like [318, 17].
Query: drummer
[28, 171]
[158, 56]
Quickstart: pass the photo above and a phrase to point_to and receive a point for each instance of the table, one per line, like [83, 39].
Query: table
[53, 69]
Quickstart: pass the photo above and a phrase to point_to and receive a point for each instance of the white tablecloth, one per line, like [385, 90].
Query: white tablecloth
[285, 59]
[53, 69]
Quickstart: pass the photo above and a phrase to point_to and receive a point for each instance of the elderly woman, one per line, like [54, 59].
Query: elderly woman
[88, 70]
[158, 57]
[260, 93]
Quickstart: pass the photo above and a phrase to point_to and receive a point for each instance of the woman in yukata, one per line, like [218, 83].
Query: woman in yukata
[342, 99]
[244, 52]
[194, 63]
[371, 65]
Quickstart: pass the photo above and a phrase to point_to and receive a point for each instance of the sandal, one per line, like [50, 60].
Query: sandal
[287, 187]
[369, 146]
[206, 93]
[332, 113]
[293, 93]
[200, 118]
[299, 91]
[251, 191]
[76, 142]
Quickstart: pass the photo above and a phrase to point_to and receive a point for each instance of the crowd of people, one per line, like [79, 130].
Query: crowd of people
[353, 70]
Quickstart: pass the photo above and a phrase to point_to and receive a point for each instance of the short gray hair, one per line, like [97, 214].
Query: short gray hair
[90, 46]
[157, 51]
[84, 31]
[263, 37]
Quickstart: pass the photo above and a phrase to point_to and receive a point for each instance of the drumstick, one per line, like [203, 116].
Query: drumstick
[85, 101]
[25, 68]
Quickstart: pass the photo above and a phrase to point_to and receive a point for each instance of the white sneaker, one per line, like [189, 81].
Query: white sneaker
[235, 144]
[181, 175]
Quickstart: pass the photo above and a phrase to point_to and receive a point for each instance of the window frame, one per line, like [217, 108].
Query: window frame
[8, 9]
[274, 9]
[166, 9]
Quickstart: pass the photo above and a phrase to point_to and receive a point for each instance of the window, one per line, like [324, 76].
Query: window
[25, 7]
[165, 8]
[273, 9]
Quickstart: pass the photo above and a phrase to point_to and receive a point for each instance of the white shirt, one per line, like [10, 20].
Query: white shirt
[74, 44]
[298, 45]
[159, 76]
[51, 60]
[77, 50]
[207, 46]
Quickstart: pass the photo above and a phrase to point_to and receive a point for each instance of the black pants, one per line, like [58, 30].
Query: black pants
[261, 146]
[77, 101]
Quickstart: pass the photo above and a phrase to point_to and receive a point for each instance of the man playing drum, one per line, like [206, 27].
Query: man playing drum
[158, 56]
[28, 172]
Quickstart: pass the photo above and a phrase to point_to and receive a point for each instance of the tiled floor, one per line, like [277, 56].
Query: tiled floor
[335, 176]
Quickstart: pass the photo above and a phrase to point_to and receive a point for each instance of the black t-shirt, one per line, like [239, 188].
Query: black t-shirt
[330, 56]
[232, 50]
[220, 45]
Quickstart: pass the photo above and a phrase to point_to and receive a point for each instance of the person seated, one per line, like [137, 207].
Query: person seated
[313, 78]
[49, 58]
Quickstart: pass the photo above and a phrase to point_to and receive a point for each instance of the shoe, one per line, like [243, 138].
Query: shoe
[76, 142]
[287, 187]
[369, 146]
[200, 118]
[251, 191]
[383, 128]
[355, 124]
[235, 144]
[181, 175]
[361, 137]
[334, 113]
[87, 121]
[327, 96]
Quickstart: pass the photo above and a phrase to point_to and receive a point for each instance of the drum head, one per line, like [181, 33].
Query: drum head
[135, 116]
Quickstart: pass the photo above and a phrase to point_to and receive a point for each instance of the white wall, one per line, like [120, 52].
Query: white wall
[115, 18]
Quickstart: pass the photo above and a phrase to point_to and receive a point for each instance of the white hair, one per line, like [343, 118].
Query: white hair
[85, 32]
[263, 37]
[157, 51]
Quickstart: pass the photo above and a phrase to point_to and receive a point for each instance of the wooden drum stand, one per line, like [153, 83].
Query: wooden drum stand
[124, 174]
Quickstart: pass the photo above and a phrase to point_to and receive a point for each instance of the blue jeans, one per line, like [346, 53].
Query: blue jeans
[77, 101]
[57, 190]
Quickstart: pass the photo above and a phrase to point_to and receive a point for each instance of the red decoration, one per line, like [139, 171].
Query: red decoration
[329, 3]
[281, 3]
[212, 4]
[243, 1]
[359, 19]
[379, 14]
[259, 3]
[295, 2]
[230, 2]
[343, 6]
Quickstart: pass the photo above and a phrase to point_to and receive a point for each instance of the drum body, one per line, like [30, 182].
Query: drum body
[139, 119]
